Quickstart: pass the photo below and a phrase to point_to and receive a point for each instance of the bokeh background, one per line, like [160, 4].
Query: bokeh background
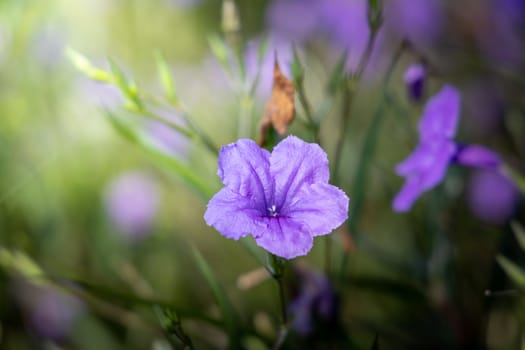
[83, 204]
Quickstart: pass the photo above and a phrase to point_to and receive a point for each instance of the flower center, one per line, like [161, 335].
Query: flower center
[273, 211]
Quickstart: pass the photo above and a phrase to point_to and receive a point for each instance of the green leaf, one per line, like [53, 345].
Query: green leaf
[20, 263]
[182, 170]
[513, 271]
[519, 233]
[253, 249]
[220, 50]
[128, 87]
[171, 323]
[229, 314]
[338, 75]
[517, 177]
[297, 68]
[263, 48]
[84, 65]
[166, 79]
[126, 299]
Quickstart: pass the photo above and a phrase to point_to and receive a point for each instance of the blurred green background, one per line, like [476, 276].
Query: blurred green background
[416, 280]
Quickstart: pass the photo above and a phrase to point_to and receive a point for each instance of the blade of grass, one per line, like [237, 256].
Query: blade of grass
[229, 314]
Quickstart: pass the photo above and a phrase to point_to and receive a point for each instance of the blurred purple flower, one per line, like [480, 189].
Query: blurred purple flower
[168, 140]
[441, 115]
[265, 66]
[164, 138]
[131, 202]
[423, 169]
[491, 196]
[499, 33]
[48, 46]
[414, 78]
[316, 301]
[51, 312]
[293, 20]
[476, 156]
[99, 94]
[426, 167]
[344, 23]
[417, 21]
[282, 198]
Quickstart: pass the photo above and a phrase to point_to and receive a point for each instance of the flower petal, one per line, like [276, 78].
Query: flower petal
[408, 194]
[244, 168]
[234, 216]
[441, 114]
[477, 156]
[294, 164]
[285, 238]
[424, 169]
[321, 206]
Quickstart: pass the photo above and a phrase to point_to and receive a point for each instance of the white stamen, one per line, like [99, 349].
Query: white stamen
[273, 210]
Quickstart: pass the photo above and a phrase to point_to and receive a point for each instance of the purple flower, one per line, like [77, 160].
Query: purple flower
[282, 198]
[131, 202]
[414, 78]
[282, 18]
[342, 24]
[440, 115]
[316, 301]
[420, 22]
[426, 167]
[491, 196]
[476, 156]
[266, 64]
[423, 169]
[50, 312]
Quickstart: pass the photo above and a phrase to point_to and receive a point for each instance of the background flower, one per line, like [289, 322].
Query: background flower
[50, 312]
[131, 202]
[428, 163]
[492, 197]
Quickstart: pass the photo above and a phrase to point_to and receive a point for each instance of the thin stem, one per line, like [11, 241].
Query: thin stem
[276, 268]
[283, 331]
[350, 88]
[370, 141]
[312, 124]
[328, 255]
[284, 316]
[345, 111]
[194, 132]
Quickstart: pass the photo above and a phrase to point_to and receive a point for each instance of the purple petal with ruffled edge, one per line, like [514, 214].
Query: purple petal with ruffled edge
[424, 169]
[285, 238]
[294, 164]
[321, 206]
[477, 156]
[244, 169]
[441, 114]
[233, 215]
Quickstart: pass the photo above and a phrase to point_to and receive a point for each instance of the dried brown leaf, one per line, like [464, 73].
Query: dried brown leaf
[280, 109]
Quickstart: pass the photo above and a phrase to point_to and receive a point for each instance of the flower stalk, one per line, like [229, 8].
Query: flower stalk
[276, 267]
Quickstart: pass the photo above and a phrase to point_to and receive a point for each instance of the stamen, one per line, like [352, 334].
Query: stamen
[273, 210]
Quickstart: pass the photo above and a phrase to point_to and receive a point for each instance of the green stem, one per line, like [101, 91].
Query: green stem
[328, 255]
[360, 181]
[194, 131]
[276, 267]
[350, 89]
[312, 124]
